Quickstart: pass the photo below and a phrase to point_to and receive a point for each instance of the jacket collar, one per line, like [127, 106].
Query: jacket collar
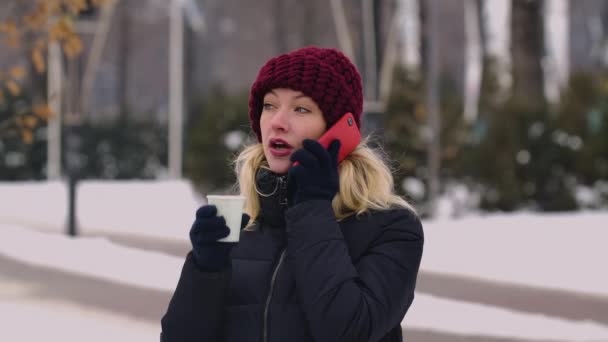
[272, 192]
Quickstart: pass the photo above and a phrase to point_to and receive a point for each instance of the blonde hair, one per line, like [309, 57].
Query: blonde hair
[366, 182]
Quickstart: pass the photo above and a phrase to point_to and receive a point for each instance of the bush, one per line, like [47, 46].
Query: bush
[118, 149]
[520, 152]
[22, 150]
[582, 121]
[406, 134]
[218, 128]
[518, 163]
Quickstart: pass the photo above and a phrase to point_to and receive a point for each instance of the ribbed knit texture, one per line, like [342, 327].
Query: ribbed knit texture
[326, 75]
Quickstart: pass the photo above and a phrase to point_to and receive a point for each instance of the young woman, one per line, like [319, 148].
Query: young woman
[327, 251]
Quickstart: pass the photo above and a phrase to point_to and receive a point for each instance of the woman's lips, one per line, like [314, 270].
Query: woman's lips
[280, 152]
[279, 147]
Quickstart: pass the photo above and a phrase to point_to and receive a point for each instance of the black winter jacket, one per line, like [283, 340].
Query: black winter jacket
[312, 279]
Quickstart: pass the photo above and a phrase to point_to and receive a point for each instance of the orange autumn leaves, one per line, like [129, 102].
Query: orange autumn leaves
[25, 123]
[43, 22]
[11, 80]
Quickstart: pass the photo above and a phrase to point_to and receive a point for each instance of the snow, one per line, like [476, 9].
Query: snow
[461, 318]
[96, 257]
[155, 209]
[40, 204]
[556, 251]
[65, 322]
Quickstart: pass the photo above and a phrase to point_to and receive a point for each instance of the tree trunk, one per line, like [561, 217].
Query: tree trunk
[280, 30]
[431, 62]
[481, 22]
[123, 59]
[527, 51]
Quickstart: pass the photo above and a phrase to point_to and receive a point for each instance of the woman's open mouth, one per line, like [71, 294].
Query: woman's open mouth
[279, 147]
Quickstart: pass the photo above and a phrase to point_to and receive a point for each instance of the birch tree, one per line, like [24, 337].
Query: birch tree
[28, 28]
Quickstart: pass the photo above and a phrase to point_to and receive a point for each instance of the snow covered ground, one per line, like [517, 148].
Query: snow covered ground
[554, 252]
[157, 209]
[460, 318]
[47, 320]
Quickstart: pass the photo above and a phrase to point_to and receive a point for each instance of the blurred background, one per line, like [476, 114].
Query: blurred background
[117, 117]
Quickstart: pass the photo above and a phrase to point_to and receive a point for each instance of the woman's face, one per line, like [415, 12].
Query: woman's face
[288, 117]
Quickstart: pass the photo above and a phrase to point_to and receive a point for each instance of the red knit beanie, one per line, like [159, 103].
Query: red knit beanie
[326, 75]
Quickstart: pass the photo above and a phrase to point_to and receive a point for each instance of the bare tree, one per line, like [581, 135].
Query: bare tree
[527, 50]
[433, 128]
[99, 41]
[30, 27]
[280, 29]
[123, 58]
[342, 30]
[473, 60]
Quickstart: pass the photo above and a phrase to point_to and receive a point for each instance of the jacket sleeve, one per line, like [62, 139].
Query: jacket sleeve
[195, 310]
[343, 301]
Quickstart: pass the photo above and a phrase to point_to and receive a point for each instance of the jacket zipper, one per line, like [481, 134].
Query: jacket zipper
[269, 297]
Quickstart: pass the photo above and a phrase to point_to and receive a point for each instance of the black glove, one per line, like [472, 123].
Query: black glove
[209, 254]
[316, 175]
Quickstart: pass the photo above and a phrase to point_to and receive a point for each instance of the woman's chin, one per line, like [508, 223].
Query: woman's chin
[280, 166]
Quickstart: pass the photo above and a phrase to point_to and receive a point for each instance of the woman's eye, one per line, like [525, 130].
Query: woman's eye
[302, 110]
[268, 106]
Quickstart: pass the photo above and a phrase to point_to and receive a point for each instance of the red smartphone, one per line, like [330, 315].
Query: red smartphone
[346, 131]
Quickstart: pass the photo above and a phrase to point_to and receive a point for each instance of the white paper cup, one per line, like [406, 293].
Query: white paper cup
[231, 207]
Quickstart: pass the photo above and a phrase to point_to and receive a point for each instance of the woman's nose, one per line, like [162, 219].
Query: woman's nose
[280, 120]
